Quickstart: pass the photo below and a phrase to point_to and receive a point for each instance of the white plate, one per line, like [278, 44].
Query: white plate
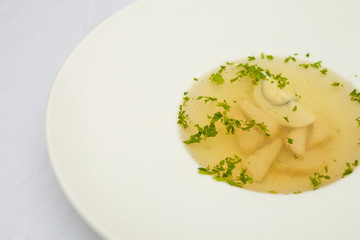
[111, 120]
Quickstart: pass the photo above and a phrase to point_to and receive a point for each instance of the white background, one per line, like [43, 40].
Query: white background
[36, 37]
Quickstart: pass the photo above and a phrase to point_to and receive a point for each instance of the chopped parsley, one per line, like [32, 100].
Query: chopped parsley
[297, 95]
[256, 74]
[335, 84]
[230, 124]
[350, 168]
[295, 156]
[316, 180]
[183, 117]
[229, 63]
[316, 65]
[290, 141]
[290, 58]
[304, 65]
[224, 105]
[195, 79]
[307, 55]
[272, 192]
[358, 120]
[294, 108]
[286, 119]
[269, 57]
[203, 133]
[251, 58]
[217, 78]
[298, 192]
[244, 178]
[223, 172]
[355, 96]
[324, 71]
[186, 99]
[211, 99]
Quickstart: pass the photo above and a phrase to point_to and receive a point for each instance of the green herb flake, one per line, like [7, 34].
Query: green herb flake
[244, 178]
[205, 171]
[355, 96]
[290, 58]
[324, 71]
[256, 74]
[295, 156]
[286, 119]
[335, 84]
[269, 57]
[290, 141]
[304, 65]
[262, 55]
[297, 95]
[307, 55]
[223, 172]
[224, 105]
[272, 192]
[358, 120]
[350, 168]
[211, 99]
[294, 108]
[326, 168]
[251, 58]
[195, 79]
[217, 78]
[316, 179]
[316, 65]
[229, 63]
[183, 117]
[298, 192]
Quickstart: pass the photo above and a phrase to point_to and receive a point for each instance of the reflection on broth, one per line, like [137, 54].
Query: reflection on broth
[272, 124]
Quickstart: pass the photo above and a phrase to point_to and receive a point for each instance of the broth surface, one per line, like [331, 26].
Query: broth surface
[293, 158]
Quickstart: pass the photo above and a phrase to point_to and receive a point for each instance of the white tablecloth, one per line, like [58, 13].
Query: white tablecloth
[36, 37]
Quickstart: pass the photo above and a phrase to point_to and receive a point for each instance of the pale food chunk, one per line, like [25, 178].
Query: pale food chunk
[249, 141]
[254, 113]
[296, 141]
[313, 161]
[278, 105]
[321, 131]
[258, 163]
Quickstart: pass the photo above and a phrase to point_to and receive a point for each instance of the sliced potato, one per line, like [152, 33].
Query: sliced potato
[252, 112]
[258, 163]
[249, 141]
[313, 161]
[321, 132]
[296, 141]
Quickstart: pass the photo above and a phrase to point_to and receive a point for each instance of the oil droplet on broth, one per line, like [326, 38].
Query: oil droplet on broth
[313, 133]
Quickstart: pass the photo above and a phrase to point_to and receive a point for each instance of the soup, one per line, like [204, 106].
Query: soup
[272, 124]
